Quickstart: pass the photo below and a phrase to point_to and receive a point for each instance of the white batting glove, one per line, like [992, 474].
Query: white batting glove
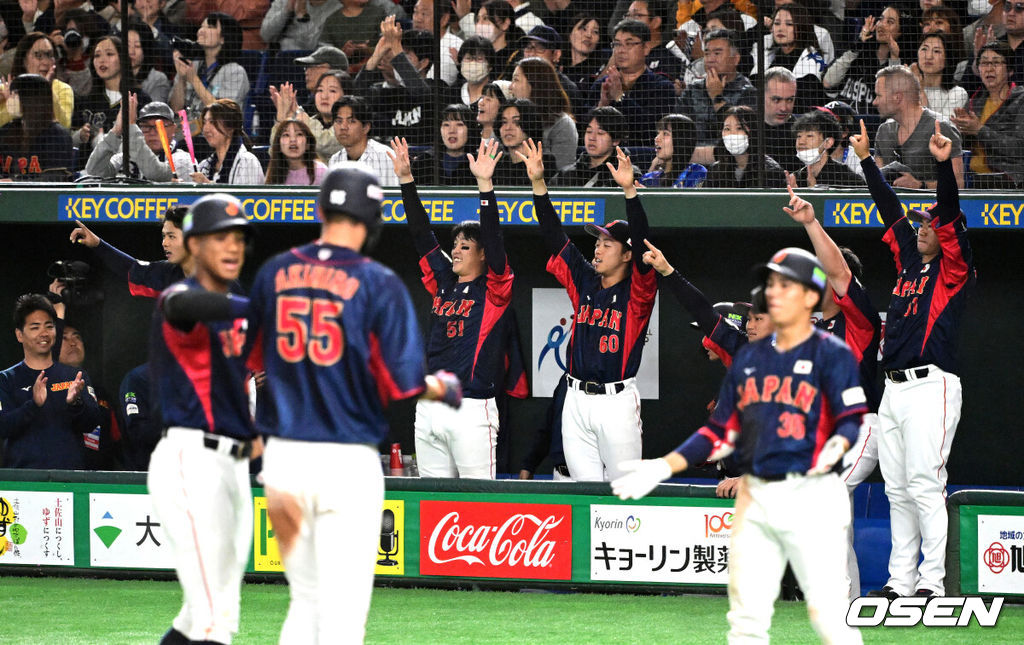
[830, 454]
[643, 475]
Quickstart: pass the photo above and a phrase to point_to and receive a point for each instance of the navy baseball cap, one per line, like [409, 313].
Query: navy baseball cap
[213, 213]
[617, 230]
[734, 313]
[920, 217]
[544, 35]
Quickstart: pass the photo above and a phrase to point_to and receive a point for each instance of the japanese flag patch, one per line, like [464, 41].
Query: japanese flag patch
[802, 367]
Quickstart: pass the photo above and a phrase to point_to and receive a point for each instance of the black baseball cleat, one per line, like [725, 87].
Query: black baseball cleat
[884, 592]
[925, 593]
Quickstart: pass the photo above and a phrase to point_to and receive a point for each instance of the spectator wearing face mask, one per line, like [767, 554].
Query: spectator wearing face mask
[737, 165]
[474, 58]
[816, 135]
[495, 23]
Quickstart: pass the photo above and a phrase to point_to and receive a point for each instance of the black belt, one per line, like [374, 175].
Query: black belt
[593, 387]
[235, 448]
[902, 376]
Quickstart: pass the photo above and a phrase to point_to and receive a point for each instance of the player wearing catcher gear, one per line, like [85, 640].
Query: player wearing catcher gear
[339, 340]
[199, 472]
[790, 409]
[612, 298]
[920, 406]
[470, 321]
[147, 279]
[847, 312]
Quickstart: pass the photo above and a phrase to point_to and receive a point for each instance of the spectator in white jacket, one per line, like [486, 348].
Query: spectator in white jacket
[147, 159]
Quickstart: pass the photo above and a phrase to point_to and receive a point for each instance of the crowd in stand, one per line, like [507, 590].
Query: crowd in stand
[274, 91]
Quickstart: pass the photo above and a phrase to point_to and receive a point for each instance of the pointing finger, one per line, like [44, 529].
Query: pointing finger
[863, 129]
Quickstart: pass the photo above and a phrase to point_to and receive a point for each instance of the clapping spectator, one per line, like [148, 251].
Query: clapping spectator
[723, 88]
[199, 84]
[142, 52]
[736, 154]
[36, 54]
[296, 24]
[535, 79]
[293, 160]
[33, 146]
[606, 131]
[452, 163]
[996, 137]
[146, 151]
[353, 28]
[320, 119]
[852, 74]
[936, 61]
[673, 148]
[629, 86]
[96, 112]
[230, 162]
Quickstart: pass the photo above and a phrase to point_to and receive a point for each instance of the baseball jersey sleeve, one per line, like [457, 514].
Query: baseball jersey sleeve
[14, 418]
[418, 220]
[639, 230]
[845, 402]
[550, 225]
[490, 232]
[957, 257]
[146, 279]
[716, 439]
[862, 319]
[396, 345]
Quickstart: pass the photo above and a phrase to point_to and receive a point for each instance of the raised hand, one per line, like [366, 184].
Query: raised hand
[623, 172]
[399, 154]
[487, 157]
[82, 235]
[714, 84]
[75, 389]
[533, 159]
[654, 257]
[940, 145]
[39, 390]
[392, 33]
[133, 107]
[867, 29]
[861, 143]
[799, 209]
[966, 121]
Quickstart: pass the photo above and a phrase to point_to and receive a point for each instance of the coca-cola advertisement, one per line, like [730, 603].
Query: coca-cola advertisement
[492, 540]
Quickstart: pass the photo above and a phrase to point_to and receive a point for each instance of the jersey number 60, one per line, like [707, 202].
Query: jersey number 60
[309, 327]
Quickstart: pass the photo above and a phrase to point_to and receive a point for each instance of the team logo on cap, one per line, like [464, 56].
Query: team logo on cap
[780, 256]
[338, 197]
[231, 209]
[819, 277]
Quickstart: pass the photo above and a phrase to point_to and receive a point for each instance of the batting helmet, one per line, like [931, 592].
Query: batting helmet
[213, 213]
[796, 264]
[352, 189]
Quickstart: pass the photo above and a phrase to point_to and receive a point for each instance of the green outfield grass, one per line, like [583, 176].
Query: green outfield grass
[69, 611]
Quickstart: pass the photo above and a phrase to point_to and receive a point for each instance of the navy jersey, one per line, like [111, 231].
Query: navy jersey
[140, 420]
[199, 375]
[147, 279]
[338, 339]
[609, 324]
[51, 436]
[724, 340]
[469, 321]
[922, 323]
[860, 327]
[779, 408]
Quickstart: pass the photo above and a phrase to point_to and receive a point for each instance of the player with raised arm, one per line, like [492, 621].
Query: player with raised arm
[147, 279]
[199, 472]
[612, 298]
[339, 341]
[470, 321]
[790, 409]
[847, 312]
[920, 406]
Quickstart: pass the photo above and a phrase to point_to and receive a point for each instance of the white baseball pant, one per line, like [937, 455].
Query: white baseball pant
[204, 502]
[456, 443]
[339, 488]
[858, 463]
[600, 431]
[800, 520]
[918, 421]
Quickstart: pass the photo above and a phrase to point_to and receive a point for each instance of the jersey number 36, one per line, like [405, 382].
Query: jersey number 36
[309, 327]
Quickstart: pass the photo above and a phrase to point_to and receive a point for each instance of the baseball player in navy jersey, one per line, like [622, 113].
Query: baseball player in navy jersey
[199, 472]
[612, 298]
[147, 279]
[790, 409]
[470, 321]
[847, 312]
[920, 406]
[339, 340]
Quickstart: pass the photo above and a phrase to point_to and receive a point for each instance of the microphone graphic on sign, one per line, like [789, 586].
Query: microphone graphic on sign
[388, 539]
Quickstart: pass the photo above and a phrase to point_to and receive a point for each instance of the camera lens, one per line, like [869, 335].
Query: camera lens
[72, 39]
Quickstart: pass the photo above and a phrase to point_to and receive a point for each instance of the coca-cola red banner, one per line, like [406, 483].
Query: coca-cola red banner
[495, 540]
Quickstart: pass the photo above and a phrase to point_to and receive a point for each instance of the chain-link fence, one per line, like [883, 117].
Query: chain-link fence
[729, 94]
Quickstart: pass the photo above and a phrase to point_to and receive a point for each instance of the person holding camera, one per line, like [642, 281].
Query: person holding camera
[214, 74]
